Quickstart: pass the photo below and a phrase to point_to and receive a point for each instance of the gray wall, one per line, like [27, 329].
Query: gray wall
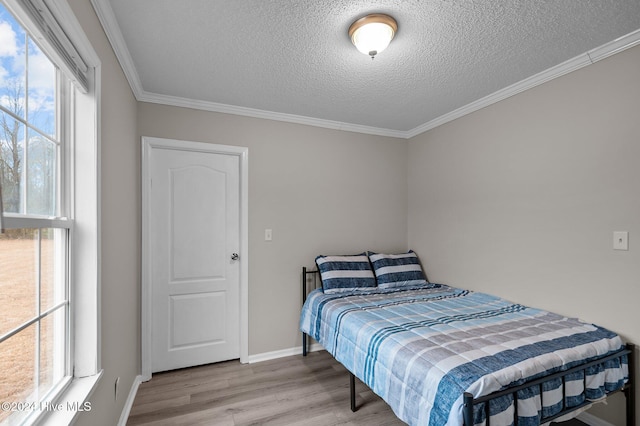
[321, 192]
[520, 199]
[120, 239]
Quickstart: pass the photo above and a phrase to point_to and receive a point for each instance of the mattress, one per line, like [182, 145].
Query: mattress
[421, 347]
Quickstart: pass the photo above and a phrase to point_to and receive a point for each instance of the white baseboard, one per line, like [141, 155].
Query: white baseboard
[124, 416]
[266, 356]
[592, 420]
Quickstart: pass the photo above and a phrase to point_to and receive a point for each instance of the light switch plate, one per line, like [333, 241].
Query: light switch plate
[268, 234]
[621, 240]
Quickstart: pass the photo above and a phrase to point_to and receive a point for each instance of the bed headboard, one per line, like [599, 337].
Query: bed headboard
[310, 281]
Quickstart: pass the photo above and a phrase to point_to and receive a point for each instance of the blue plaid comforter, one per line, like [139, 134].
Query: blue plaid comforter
[421, 348]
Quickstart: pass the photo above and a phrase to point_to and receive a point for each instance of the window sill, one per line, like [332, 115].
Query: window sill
[73, 401]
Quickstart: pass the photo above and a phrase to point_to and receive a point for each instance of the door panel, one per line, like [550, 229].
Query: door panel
[194, 230]
[208, 309]
[198, 197]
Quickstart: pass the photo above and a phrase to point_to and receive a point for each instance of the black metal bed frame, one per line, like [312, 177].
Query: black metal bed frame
[469, 402]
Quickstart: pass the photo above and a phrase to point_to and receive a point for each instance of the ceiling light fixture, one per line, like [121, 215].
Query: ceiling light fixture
[373, 33]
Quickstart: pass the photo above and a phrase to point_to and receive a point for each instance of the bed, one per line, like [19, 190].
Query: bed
[440, 355]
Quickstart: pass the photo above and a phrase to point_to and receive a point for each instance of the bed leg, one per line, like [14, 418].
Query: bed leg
[304, 344]
[352, 390]
[467, 410]
[630, 392]
[304, 299]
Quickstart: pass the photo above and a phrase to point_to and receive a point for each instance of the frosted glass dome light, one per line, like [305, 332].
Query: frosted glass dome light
[373, 33]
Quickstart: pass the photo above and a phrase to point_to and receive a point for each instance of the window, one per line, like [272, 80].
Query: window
[48, 250]
[34, 279]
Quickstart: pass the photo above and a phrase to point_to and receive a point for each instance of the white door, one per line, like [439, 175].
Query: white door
[194, 244]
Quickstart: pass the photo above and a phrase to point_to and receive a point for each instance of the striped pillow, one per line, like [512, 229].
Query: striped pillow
[345, 273]
[397, 270]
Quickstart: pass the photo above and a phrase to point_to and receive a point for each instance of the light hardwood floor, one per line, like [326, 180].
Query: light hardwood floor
[296, 390]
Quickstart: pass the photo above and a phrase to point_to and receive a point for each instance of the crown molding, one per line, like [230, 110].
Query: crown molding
[616, 46]
[592, 56]
[109, 23]
[107, 19]
[267, 115]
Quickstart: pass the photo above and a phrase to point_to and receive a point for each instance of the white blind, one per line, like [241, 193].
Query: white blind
[41, 14]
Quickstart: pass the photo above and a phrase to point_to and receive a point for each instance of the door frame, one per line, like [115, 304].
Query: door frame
[148, 145]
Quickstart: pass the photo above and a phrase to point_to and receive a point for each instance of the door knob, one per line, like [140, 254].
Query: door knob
[235, 256]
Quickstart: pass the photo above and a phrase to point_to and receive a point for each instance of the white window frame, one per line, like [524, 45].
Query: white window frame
[82, 177]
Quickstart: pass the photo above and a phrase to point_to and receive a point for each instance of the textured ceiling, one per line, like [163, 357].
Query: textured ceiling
[294, 58]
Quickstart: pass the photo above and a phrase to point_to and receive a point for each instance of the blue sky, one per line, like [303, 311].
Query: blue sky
[23, 64]
[28, 91]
